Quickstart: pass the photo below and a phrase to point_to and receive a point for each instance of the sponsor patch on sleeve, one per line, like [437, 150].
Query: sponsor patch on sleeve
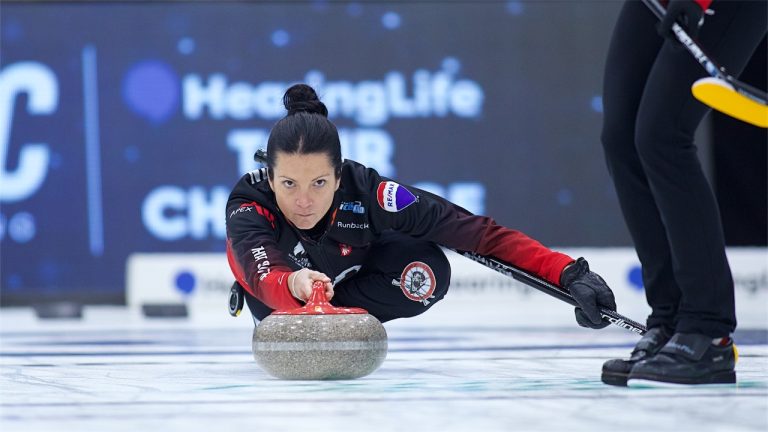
[250, 207]
[394, 197]
[417, 282]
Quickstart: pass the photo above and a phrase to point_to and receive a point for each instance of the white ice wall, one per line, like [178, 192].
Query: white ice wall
[478, 296]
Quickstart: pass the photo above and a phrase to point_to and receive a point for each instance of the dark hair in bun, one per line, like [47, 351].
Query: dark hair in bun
[302, 98]
[304, 130]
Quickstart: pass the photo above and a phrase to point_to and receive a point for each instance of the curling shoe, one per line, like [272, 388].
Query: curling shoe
[688, 358]
[616, 371]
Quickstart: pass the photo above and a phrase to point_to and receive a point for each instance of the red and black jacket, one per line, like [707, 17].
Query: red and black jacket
[263, 247]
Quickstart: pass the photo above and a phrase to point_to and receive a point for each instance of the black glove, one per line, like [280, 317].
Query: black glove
[687, 13]
[590, 291]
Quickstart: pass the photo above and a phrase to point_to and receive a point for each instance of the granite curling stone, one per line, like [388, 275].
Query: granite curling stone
[319, 341]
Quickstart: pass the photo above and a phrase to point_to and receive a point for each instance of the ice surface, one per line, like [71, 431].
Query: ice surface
[115, 371]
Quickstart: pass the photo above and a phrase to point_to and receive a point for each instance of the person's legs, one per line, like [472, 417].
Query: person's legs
[632, 53]
[667, 120]
[401, 277]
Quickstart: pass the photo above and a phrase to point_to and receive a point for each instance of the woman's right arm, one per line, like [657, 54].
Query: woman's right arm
[253, 255]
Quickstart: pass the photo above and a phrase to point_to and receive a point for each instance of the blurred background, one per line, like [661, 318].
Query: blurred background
[124, 125]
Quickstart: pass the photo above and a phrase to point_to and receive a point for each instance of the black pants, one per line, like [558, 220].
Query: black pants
[649, 125]
[401, 277]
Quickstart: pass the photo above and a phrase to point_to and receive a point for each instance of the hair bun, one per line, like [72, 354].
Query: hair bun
[302, 98]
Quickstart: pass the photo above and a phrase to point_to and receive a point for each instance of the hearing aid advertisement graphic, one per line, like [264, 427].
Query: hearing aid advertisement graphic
[124, 127]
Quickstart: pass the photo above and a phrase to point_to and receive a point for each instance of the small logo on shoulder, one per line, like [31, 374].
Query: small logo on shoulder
[249, 207]
[394, 197]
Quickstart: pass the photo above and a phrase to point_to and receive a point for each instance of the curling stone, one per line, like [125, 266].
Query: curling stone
[319, 341]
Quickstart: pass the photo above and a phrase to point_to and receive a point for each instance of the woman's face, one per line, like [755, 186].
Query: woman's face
[304, 185]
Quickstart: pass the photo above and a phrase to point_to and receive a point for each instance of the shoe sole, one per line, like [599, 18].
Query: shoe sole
[614, 379]
[650, 380]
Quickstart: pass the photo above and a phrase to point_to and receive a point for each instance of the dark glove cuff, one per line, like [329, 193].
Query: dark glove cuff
[573, 271]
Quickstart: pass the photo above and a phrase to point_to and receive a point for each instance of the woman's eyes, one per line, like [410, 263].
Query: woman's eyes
[291, 184]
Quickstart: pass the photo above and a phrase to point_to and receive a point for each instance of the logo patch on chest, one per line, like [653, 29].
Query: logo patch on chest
[300, 256]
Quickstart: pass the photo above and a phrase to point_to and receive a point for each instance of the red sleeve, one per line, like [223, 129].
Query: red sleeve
[425, 215]
[517, 248]
[254, 257]
[271, 288]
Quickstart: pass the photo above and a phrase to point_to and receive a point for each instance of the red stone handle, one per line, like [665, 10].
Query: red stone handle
[318, 304]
